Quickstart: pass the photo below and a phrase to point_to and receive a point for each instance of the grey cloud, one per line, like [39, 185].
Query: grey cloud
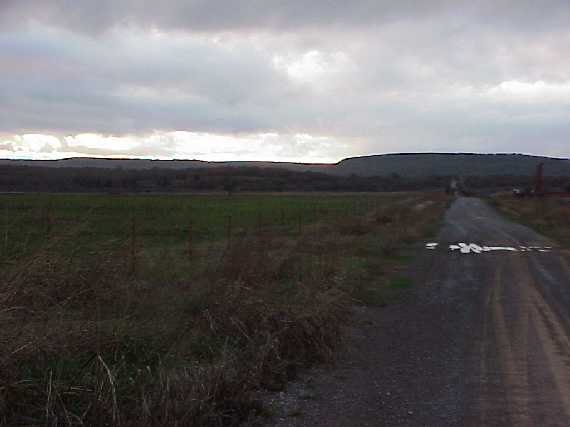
[416, 80]
[125, 86]
[210, 15]
[222, 15]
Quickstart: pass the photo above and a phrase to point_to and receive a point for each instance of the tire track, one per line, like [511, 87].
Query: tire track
[483, 341]
[528, 342]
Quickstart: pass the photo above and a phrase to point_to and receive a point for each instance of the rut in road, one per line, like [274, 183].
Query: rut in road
[521, 360]
[483, 341]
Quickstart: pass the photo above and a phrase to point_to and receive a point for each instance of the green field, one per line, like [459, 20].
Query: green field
[29, 220]
[155, 311]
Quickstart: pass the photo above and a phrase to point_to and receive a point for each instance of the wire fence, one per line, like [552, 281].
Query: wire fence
[27, 223]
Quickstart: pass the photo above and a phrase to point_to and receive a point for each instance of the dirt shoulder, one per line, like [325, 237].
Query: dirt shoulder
[375, 378]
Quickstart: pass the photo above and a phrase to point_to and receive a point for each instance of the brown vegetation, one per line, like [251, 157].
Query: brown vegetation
[548, 215]
[86, 342]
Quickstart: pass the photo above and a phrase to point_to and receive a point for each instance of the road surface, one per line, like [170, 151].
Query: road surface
[483, 341]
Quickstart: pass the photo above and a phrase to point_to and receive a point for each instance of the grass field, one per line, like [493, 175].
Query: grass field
[548, 215]
[172, 310]
[163, 220]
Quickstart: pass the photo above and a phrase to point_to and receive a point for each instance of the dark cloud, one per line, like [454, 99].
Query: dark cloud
[212, 15]
[221, 15]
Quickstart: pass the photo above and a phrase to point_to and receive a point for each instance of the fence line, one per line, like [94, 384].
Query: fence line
[104, 223]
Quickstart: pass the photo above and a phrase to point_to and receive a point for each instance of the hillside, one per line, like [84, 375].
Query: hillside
[419, 165]
[405, 165]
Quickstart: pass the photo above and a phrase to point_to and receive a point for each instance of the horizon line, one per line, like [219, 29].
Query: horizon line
[80, 157]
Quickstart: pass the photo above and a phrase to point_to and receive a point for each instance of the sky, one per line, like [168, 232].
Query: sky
[283, 80]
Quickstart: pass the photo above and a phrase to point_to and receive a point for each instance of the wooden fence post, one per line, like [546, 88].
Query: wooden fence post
[133, 247]
[229, 228]
[47, 220]
[189, 240]
[259, 222]
[5, 229]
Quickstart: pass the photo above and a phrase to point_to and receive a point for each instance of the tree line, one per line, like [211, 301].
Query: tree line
[235, 179]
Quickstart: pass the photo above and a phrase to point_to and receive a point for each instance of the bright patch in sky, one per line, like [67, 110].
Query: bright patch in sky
[28, 144]
[95, 141]
[313, 66]
[538, 90]
[179, 145]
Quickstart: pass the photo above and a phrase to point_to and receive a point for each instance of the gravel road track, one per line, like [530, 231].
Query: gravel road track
[482, 340]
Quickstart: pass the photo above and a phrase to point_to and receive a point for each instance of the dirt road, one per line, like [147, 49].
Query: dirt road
[484, 340]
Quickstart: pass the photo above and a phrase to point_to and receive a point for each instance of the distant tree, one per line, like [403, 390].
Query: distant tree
[164, 181]
[278, 185]
[395, 176]
[230, 186]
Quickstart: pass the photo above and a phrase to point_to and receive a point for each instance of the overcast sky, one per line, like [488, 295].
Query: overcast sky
[285, 80]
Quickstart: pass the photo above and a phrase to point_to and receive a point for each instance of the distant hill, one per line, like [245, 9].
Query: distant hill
[420, 165]
[405, 165]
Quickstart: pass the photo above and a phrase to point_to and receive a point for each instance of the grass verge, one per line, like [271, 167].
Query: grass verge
[548, 215]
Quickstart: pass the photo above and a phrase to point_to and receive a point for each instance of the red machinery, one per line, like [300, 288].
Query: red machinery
[539, 185]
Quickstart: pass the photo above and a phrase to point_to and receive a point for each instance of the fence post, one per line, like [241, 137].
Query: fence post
[259, 222]
[133, 246]
[229, 228]
[47, 219]
[5, 229]
[189, 240]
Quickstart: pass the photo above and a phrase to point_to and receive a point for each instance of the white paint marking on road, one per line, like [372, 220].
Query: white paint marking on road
[467, 248]
[501, 248]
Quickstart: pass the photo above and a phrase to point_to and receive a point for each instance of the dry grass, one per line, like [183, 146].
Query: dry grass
[549, 215]
[85, 343]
